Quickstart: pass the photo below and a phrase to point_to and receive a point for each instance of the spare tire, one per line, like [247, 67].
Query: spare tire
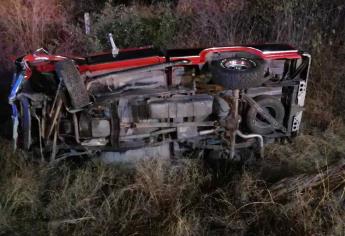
[240, 71]
[69, 74]
[273, 106]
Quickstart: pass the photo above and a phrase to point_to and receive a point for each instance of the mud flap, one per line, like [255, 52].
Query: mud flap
[69, 74]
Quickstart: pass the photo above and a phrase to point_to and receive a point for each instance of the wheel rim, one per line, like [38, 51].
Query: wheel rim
[238, 64]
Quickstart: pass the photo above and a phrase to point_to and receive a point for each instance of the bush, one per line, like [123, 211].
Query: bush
[135, 25]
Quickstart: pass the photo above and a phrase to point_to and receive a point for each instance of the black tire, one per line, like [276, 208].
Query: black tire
[258, 125]
[70, 75]
[231, 78]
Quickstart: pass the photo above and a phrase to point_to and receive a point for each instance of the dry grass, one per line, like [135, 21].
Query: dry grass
[32, 20]
[161, 198]
[27, 25]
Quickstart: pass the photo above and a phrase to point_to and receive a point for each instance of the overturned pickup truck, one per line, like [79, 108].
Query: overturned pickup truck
[142, 102]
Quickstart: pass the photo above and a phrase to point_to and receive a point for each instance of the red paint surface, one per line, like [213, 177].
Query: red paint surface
[45, 63]
[122, 64]
[201, 59]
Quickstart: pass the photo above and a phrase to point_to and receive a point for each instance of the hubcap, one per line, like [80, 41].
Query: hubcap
[237, 64]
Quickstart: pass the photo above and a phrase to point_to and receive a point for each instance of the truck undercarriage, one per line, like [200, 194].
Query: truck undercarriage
[145, 103]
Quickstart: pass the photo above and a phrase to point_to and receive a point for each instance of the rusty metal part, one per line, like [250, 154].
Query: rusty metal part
[236, 119]
[231, 123]
[209, 88]
[56, 97]
[56, 116]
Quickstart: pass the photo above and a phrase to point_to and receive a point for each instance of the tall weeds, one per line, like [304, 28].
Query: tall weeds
[26, 25]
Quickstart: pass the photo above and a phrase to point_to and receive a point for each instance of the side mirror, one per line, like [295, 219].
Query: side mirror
[114, 49]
